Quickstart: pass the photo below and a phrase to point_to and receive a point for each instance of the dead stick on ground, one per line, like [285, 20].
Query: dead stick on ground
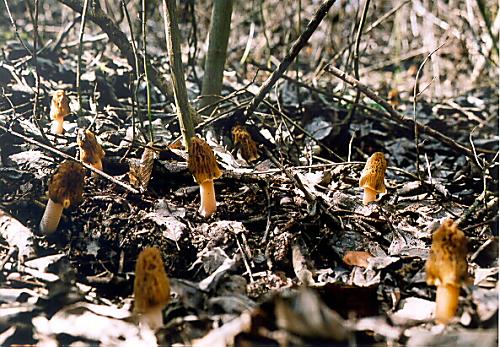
[396, 116]
[68, 157]
[290, 57]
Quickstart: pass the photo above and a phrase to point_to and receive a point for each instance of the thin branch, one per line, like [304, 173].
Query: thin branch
[79, 62]
[415, 86]
[69, 157]
[290, 57]
[394, 115]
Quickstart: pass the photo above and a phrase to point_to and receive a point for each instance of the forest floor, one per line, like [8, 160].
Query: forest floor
[291, 255]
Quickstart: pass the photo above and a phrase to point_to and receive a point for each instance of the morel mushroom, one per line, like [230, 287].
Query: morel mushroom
[59, 108]
[244, 143]
[203, 166]
[65, 189]
[151, 288]
[372, 177]
[446, 268]
[91, 151]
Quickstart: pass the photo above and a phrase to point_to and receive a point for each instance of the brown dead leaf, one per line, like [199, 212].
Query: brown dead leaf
[140, 170]
[357, 258]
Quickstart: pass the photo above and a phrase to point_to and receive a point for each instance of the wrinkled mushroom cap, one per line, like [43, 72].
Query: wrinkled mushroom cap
[243, 140]
[201, 162]
[59, 107]
[151, 285]
[92, 151]
[447, 264]
[66, 184]
[372, 176]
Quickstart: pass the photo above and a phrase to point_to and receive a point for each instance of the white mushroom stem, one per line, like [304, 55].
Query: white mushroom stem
[446, 302]
[56, 126]
[369, 195]
[207, 194]
[51, 217]
[153, 317]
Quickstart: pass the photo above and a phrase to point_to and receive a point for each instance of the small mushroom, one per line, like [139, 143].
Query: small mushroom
[91, 151]
[372, 177]
[151, 288]
[59, 108]
[203, 166]
[244, 143]
[65, 189]
[446, 268]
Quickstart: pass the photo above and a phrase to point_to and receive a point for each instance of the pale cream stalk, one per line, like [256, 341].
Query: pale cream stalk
[153, 318]
[56, 126]
[208, 204]
[51, 217]
[369, 195]
[446, 302]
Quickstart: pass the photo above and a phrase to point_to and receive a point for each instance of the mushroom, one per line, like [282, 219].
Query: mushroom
[203, 167]
[372, 177]
[446, 268]
[91, 151]
[151, 288]
[65, 189]
[244, 143]
[59, 108]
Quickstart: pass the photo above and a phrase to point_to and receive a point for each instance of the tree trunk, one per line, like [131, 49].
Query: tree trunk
[220, 28]
[172, 35]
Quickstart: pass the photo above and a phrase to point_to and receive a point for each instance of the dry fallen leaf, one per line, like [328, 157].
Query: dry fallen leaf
[140, 170]
[357, 258]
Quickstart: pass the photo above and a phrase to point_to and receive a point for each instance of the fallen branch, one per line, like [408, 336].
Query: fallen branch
[68, 157]
[394, 115]
[290, 57]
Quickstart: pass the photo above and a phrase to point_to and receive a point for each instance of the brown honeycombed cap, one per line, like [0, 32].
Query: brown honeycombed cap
[243, 140]
[447, 264]
[372, 176]
[91, 150]
[59, 107]
[201, 162]
[151, 285]
[66, 184]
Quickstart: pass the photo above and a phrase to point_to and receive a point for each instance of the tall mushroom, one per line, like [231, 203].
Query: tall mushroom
[244, 143]
[446, 268]
[372, 177]
[203, 167]
[151, 288]
[59, 108]
[65, 189]
[91, 151]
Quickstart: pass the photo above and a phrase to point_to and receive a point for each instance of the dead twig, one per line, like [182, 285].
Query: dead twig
[394, 115]
[290, 57]
[68, 157]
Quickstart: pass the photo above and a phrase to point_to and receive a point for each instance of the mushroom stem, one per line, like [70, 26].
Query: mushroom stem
[56, 126]
[446, 302]
[369, 195]
[207, 194]
[153, 317]
[51, 217]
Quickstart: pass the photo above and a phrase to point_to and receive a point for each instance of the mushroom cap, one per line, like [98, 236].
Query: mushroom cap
[447, 264]
[92, 151]
[66, 184]
[243, 140]
[151, 285]
[201, 162]
[59, 107]
[372, 176]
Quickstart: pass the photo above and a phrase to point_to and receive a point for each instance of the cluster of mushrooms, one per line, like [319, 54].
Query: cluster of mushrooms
[446, 266]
